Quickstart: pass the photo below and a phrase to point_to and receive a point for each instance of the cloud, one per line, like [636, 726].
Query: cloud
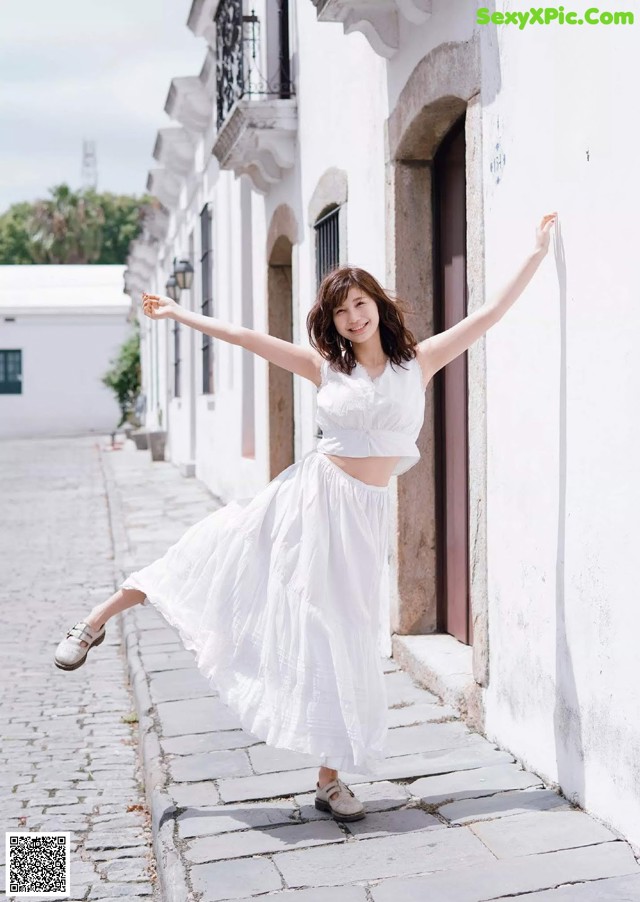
[72, 71]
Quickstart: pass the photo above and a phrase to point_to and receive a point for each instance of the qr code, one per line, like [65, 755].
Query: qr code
[38, 864]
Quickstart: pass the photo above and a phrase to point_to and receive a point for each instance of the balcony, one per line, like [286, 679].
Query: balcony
[377, 20]
[257, 114]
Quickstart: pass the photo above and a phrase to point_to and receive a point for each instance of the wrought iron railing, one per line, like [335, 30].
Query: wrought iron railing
[239, 63]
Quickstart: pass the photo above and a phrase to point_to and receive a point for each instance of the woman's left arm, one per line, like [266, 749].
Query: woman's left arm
[444, 347]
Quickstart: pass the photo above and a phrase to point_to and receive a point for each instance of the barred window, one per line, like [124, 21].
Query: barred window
[327, 243]
[206, 282]
[327, 250]
[176, 359]
[10, 372]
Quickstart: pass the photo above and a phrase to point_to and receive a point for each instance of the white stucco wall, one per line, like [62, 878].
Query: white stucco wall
[69, 322]
[563, 380]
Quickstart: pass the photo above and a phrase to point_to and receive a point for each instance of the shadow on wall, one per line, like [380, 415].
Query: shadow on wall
[566, 715]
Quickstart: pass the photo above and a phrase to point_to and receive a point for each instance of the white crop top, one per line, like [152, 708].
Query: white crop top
[364, 417]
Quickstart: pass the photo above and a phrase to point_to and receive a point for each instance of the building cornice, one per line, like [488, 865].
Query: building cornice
[164, 185]
[201, 20]
[187, 103]
[156, 222]
[174, 149]
[377, 20]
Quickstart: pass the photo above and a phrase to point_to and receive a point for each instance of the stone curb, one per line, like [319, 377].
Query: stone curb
[170, 868]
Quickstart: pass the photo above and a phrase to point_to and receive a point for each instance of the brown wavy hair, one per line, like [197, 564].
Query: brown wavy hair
[396, 339]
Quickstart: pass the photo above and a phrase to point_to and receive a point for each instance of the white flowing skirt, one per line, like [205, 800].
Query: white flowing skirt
[283, 598]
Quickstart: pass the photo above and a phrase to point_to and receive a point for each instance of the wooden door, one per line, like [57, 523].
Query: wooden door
[450, 388]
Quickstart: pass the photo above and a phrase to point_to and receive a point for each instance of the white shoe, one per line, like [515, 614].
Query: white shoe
[70, 653]
[345, 806]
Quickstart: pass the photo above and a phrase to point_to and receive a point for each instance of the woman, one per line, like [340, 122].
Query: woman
[283, 597]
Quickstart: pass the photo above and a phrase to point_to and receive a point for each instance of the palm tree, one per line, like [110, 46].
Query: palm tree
[67, 228]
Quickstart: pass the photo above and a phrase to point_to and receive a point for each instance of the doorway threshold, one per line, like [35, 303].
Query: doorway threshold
[444, 666]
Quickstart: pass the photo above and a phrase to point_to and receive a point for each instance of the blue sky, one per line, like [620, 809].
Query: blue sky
[72, 70]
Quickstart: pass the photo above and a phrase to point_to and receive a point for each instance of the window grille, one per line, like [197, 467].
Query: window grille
[176, 359]
[327, 243]
[206, 305]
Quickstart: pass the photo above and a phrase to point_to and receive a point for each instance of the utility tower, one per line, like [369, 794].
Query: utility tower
[89, 165]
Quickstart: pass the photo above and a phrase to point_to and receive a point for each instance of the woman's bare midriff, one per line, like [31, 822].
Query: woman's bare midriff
[373, 470]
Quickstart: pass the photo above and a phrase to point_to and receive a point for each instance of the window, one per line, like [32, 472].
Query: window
[10, 372]
[176, 359]
[327, 243]
[206, 306]
[327, 250]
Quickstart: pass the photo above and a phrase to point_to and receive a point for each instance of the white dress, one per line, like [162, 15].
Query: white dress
[283, 597]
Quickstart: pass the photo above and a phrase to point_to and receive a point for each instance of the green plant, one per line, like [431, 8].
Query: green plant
[132, 717]
[124, 378]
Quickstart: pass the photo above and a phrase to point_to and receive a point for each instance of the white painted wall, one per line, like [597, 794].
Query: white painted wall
[63, 359]
[563, 384]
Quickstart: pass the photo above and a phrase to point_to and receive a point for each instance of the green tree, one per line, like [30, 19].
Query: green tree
[123, 216]
[124, 377]
[72, 227]
[15, 243]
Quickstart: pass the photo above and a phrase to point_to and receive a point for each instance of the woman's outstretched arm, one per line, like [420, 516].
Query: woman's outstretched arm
[444, 347]
[294, 358]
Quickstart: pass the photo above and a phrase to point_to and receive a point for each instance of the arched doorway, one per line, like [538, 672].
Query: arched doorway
[434, 173]
[280, 381]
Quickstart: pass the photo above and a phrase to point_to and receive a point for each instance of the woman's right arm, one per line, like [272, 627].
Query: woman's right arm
[304, 362]
[208, 325]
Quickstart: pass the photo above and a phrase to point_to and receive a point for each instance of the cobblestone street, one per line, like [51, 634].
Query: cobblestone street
[452, 817]
[69, 760]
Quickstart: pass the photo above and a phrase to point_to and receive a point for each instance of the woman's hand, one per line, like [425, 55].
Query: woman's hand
[542, 232]
[156, 306]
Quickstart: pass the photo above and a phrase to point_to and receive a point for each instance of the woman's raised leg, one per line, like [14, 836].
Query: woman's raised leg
[119, 601]
[72, 652]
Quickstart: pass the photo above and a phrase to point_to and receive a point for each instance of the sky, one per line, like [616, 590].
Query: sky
[75, 70]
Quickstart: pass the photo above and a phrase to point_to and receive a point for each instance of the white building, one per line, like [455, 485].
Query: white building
[426, 147]
[60, 326]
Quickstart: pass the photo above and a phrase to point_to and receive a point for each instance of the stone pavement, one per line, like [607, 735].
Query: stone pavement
[452, 819]
[68, 753]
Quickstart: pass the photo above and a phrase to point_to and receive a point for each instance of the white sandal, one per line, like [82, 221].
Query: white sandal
[345, 807]
[70, 653]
